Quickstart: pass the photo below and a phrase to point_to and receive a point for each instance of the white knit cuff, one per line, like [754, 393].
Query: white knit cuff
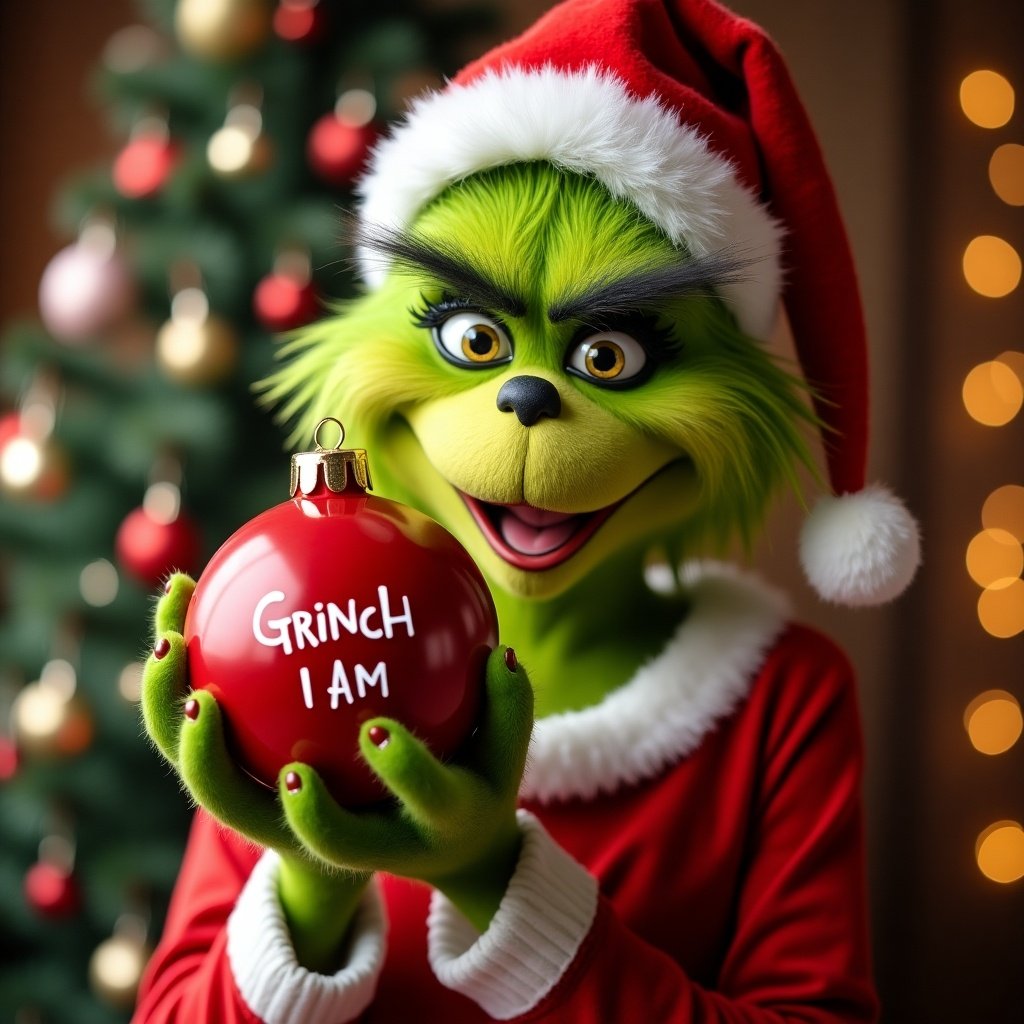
[269, 978]
[535, 935]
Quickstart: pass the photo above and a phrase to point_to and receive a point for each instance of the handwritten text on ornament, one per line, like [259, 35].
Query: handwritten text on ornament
[328, 622]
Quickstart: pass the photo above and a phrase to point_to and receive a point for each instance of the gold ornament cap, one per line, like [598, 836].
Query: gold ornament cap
[334, 466]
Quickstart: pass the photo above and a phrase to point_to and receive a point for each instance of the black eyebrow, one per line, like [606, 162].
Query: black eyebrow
[440, 260]
[649, 285]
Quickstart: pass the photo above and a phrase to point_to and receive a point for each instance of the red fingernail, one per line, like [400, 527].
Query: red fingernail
[162, 648]
[293, 782]
[378, 736]
[511, 662]
[168, 586]
[192, 709]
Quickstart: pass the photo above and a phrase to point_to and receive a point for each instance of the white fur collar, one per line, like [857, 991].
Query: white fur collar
[662, 714]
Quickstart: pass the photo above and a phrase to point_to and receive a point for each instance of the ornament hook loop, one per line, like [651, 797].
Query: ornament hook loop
[320, 446]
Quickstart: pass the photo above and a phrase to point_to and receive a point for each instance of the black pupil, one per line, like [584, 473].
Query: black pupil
[604, 359]
[479, 340]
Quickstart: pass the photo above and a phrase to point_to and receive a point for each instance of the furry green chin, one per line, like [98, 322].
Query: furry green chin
[658, 506]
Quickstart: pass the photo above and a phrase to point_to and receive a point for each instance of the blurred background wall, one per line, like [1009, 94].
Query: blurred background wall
[882, 80]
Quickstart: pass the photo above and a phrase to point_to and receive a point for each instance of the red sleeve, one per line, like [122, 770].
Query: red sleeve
[800, 949]
[189, 977]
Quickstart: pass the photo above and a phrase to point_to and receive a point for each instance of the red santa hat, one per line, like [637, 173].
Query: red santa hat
[688, 112]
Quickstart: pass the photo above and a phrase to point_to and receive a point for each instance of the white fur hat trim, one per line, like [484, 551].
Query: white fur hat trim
[860, 549]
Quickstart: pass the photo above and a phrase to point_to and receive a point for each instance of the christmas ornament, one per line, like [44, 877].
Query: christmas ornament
[330, 609]
[32, 464]
[50, 886]
[158, 538]
[51, 891]
[285, 298]
[49, 718]
[86, 287]
[240, 149]
[142, 168]
[300, 21]
[195, 346]
[222, 30]
[117, 963]
[339, 143]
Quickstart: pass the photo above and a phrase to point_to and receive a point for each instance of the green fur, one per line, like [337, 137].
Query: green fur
[724, 402]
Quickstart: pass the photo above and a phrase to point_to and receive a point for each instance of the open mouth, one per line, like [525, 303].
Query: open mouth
[534, 538]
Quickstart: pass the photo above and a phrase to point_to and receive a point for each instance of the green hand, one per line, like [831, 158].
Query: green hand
[187, 727]
[452, 825]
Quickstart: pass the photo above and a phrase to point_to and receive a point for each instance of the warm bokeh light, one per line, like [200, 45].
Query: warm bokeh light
[1000, 852]
[993, 393]
[993, 721]
[1006, 172]
[98, 583]
[994, 557]
[129, 682]
[987, 99]
[1004, 510]
[1015, 361]
[991, 266]
[1001, 609]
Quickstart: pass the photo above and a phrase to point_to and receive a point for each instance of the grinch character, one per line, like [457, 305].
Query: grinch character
[574, 255]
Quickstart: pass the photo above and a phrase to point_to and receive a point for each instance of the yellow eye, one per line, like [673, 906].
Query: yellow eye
[605, 359]
[472, 339]
[609, 357]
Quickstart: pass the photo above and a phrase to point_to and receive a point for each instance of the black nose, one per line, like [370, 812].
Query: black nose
[529, 398]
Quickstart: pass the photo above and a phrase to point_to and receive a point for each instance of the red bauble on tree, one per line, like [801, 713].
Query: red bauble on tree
[52, 891]
[300, 21]
[331, 609]
[158, 538]
[142, 168]
[285, 298]
[339, 143]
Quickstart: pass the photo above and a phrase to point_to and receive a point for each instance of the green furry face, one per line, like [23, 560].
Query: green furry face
[641, 419]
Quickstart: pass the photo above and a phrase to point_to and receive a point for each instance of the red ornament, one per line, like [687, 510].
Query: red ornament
[52, 890]
[142, 168]
[282, 302]
[149, 548]
[300, 21]
[338, 149]
[331, 609]
[10, 759]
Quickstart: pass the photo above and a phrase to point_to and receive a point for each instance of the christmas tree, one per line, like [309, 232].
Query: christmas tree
[130, 439]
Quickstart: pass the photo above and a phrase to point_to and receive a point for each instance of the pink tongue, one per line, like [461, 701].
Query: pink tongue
[538, 516]
[535, 540]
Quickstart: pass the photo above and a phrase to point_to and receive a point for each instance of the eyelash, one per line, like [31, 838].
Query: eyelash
[659, 342]
[433, 314]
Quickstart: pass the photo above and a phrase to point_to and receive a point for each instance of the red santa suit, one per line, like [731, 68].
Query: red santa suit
[692, 853]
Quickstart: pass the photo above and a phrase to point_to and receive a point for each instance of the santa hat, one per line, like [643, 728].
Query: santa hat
[687, 111]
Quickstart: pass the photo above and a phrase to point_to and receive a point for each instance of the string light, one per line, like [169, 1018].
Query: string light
[993, 393]
[987, 99]
[1004, 510]
[991, 266]
[1006, 173]
[1001, 608]
[98, 583]
[1000, 852]
[993, 721]
[994, 557]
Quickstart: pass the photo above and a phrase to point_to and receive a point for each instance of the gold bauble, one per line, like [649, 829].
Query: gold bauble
[222, 30]
[116, 968]
[200, 353]
[49, 722]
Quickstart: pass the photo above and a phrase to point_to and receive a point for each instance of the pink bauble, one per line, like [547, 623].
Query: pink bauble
[83, 291]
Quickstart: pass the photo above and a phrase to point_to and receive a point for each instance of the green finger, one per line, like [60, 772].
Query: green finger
[506, 723]
[430, 792]
[172, 606]
[164, 687]
[218, 784]
[363, 841]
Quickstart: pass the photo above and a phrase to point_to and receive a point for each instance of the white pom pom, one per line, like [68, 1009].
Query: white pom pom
[860, 549]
